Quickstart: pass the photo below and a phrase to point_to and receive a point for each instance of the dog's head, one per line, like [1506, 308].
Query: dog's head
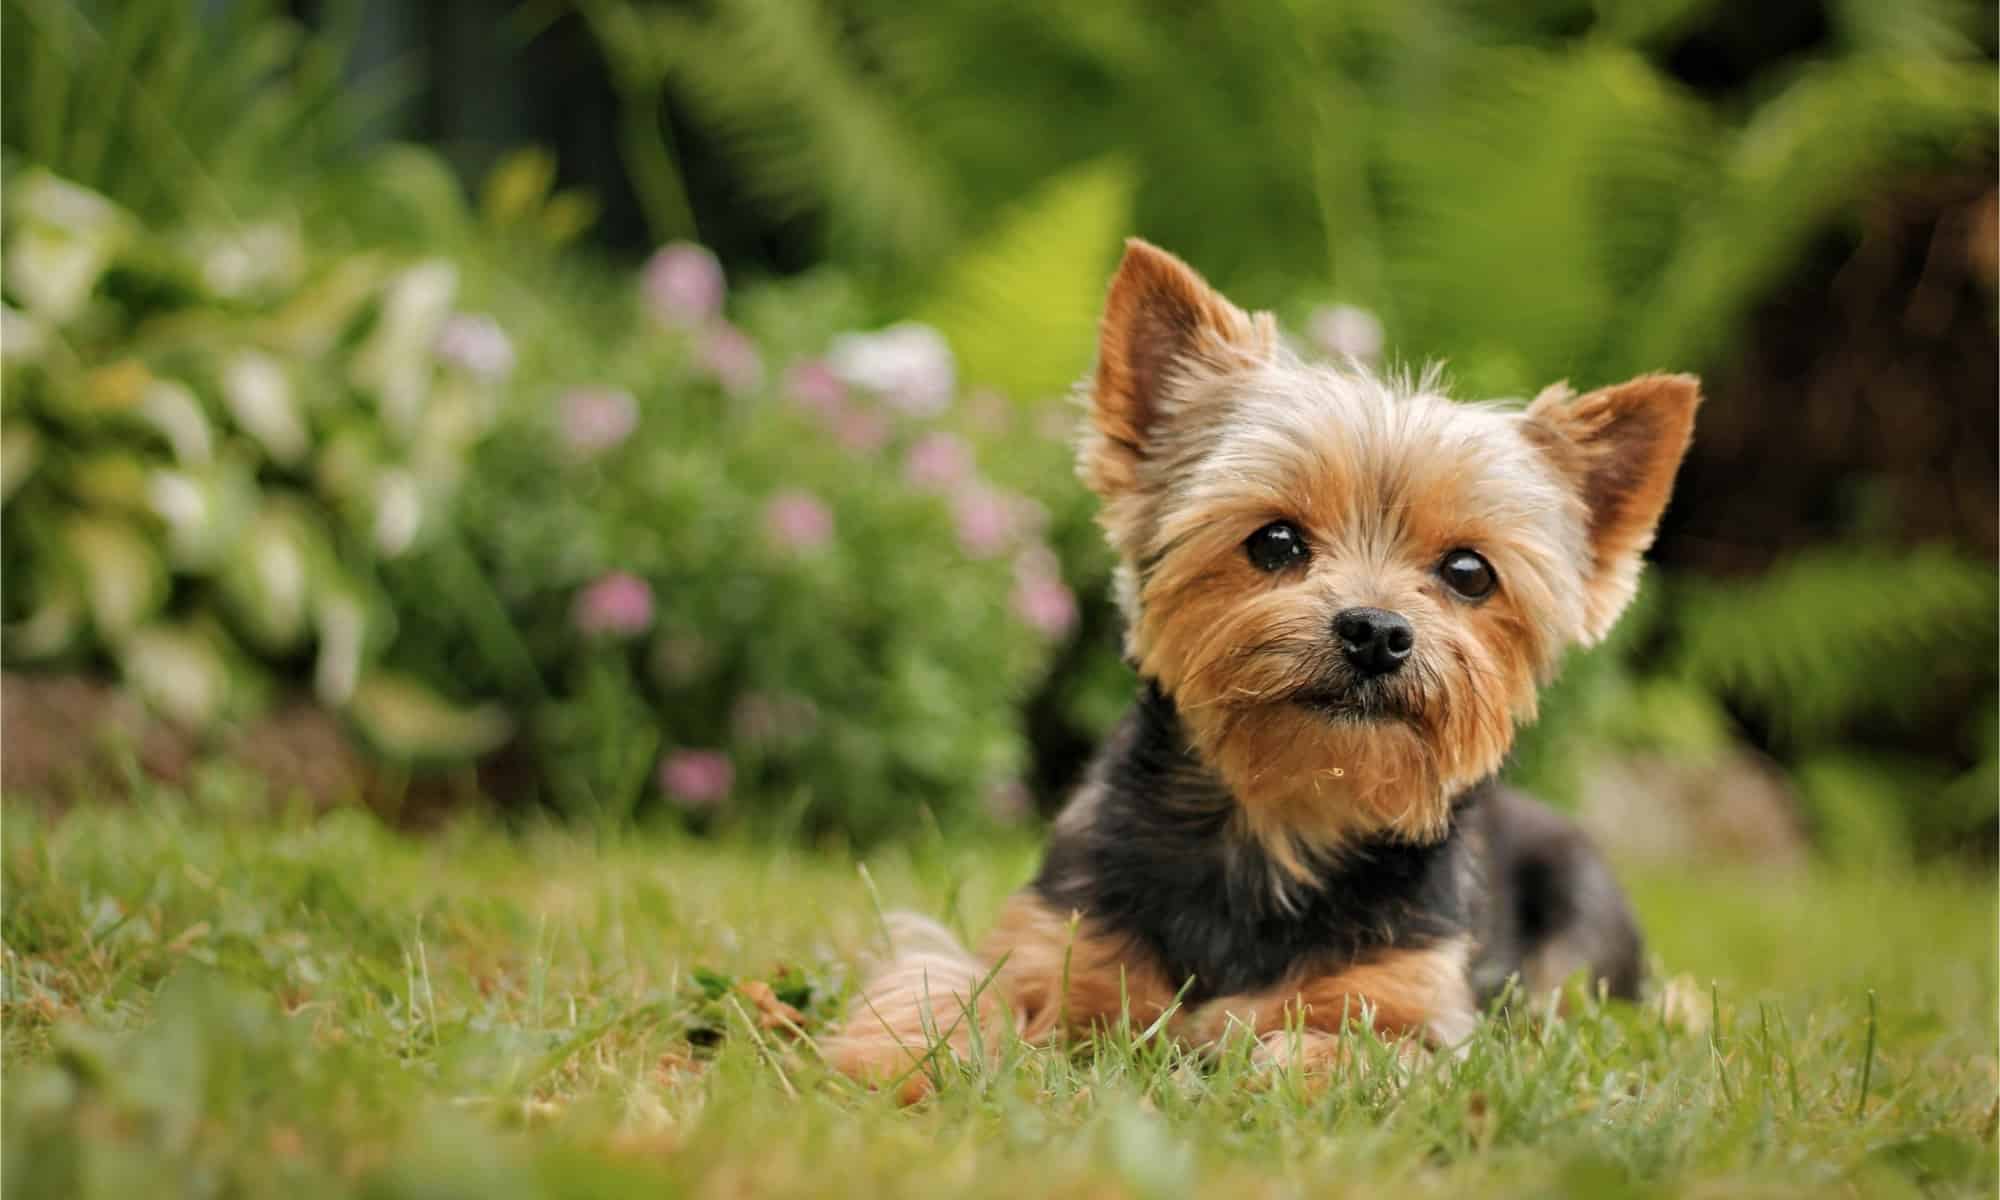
[1351, 587]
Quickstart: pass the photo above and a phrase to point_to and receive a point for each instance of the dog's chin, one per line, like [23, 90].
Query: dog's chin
[1354, 704]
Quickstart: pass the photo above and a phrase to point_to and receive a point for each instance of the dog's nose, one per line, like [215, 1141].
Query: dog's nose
[1376, 640]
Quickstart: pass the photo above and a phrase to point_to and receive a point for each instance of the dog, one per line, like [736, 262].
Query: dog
[1341, 594]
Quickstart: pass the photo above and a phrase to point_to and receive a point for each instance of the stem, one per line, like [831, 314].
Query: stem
[646, 144]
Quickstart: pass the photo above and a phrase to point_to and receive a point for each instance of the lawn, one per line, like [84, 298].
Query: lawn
[202, 998]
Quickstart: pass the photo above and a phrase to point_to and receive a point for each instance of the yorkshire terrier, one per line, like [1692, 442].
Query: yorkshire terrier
[1341, 594]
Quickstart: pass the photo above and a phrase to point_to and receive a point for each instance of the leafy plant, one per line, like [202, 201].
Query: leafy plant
[1502, 192]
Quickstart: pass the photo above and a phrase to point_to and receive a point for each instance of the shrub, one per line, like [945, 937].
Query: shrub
[499, 496]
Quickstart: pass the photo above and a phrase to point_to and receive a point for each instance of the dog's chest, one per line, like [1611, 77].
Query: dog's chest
[1218, 917]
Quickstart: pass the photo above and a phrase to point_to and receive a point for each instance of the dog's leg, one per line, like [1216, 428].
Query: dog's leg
[1420, 997]
[1037, 973]
[931, 999]
[1555, 906]
[1067, 977]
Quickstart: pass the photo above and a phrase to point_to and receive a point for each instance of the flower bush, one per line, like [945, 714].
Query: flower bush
[485, 499]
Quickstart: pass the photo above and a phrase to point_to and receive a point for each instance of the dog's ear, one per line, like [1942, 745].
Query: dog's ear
[1618, 448]
[1163, 327]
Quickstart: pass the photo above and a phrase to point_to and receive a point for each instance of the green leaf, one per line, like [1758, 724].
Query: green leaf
[20, 454]
[125, 580]
[1833, 634]
[1019, 306]
[408, 721]
[179, 671]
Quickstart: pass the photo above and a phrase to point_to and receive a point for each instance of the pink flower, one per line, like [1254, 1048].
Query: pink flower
[727, 353]
[596, 419]
[798, 520]
[937, 462]
[813, 386]
[861, 430]
[697, 780]
[683, 285]
[1009, 802]
[1045, 603]
[910, 365]
[986, 520]
[475, 344]
[762, 718]
[619, 605]
[1344, 331]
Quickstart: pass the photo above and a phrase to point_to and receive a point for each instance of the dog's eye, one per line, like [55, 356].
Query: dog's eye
[1276, 546]
[1468, 574]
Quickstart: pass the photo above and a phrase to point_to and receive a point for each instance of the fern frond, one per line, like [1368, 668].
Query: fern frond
[169, 108]
[1805, 157]
[1944, 28]
[1575, 162]
[1020, 304]
[773, 82]
[1838, 634]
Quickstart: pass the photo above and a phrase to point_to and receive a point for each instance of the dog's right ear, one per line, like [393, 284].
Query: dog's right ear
[1163, 328]
[1618, 449]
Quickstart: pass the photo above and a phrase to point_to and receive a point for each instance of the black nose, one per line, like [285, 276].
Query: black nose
[1377, 641]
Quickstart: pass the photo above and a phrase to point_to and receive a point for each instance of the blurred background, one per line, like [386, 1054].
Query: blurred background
[655, 412]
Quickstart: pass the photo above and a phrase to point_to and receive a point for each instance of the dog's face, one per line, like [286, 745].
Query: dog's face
[1351, 588]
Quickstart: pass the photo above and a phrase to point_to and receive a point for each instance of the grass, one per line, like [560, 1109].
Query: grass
[203, 999]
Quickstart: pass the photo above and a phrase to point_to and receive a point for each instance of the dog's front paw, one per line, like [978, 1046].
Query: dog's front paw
[881, 1060]
[1317, 1058]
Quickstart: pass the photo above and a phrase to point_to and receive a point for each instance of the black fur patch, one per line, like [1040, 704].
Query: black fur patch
[1155, 860]
[1159, 863]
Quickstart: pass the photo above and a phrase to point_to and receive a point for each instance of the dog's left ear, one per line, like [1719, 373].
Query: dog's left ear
[1618, 448]
[1163, 325]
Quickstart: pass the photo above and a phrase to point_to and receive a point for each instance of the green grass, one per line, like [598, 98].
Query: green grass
[201, 999]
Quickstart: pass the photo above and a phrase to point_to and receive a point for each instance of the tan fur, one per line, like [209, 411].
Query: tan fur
[1620, 448]
[1385, 478]
[923, 995]
[1041, 973]
[1043, 949]
[1420, 994]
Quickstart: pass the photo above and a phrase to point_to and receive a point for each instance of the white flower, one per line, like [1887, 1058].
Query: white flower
[910, 365]
[1344, 331]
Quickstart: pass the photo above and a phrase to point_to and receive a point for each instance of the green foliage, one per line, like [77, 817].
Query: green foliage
[168, 107]
[1801, 160]
[1020, 305]
[395, 480]
[1414, 158]
[1524, 202]
[1838, 635]
[223, 393]
[307, 421]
